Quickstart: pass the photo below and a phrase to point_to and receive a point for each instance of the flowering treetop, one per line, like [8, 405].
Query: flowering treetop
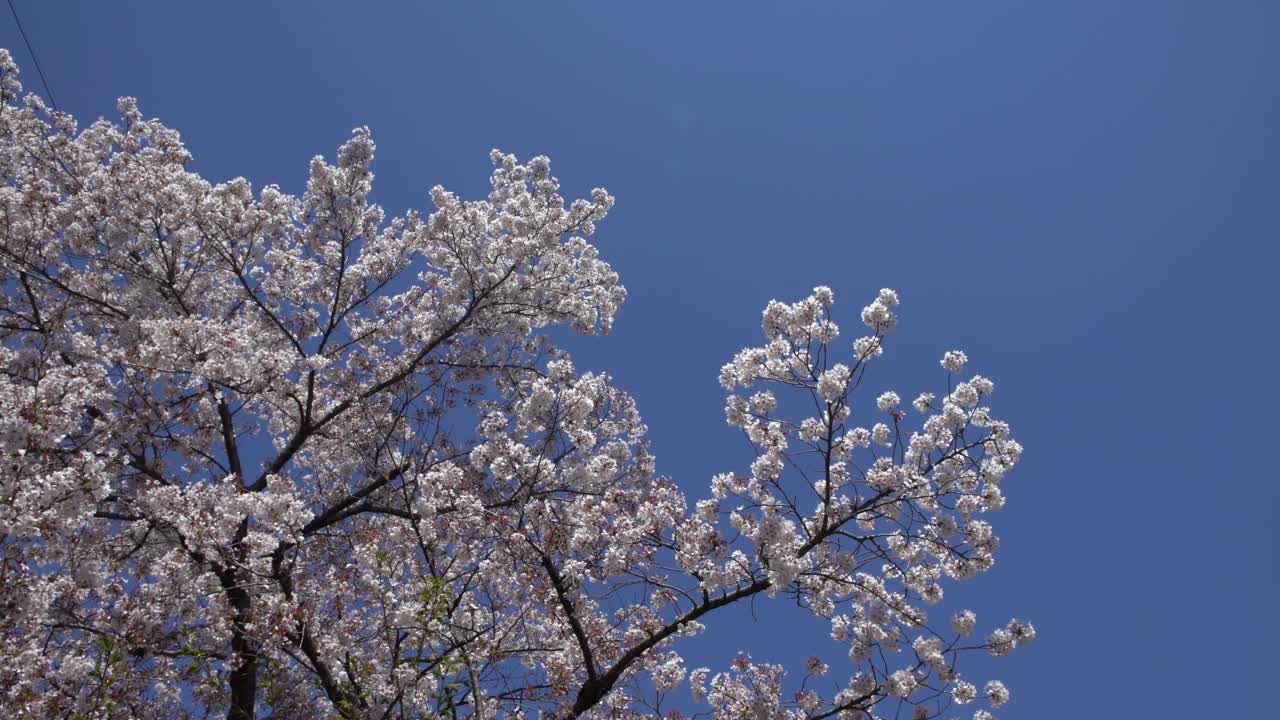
[277, 455]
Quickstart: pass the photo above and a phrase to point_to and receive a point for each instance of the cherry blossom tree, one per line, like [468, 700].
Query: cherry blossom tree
[278, 456]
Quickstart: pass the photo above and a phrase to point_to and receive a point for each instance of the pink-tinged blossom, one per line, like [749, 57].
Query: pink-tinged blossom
[833, 382]
[954, 360]
[996, 692]
[888, 400]
[964, 621]
[923, 402]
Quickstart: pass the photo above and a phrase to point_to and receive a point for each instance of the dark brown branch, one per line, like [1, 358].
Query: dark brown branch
[348, 704]
[562, 593]
[229, 437]
[593, 690]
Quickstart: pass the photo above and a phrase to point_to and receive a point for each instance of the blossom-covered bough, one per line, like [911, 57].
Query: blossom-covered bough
[279, 456]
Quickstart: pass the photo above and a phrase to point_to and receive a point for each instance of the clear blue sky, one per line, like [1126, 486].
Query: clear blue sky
[1085, 196]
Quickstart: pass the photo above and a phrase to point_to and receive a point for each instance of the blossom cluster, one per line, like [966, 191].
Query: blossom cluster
[855, 514]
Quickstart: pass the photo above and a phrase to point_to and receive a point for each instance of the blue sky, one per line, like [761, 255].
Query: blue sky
[1085, 196]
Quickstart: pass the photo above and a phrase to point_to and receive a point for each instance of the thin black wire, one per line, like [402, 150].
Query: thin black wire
[39, 70]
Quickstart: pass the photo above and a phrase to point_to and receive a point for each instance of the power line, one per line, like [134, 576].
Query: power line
[39, 70]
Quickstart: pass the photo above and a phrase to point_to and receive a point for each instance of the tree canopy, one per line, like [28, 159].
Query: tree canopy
[267, 455]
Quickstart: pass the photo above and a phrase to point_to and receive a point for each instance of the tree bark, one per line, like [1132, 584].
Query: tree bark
[244, 679]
